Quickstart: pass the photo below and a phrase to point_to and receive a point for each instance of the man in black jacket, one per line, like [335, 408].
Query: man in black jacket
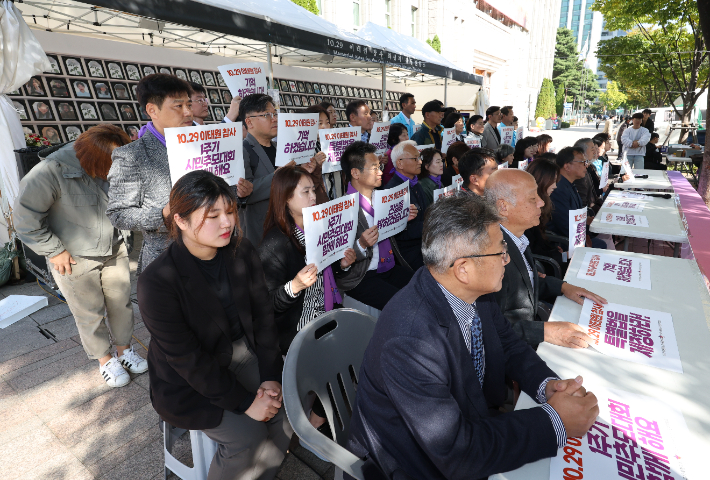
[514, 192]
[433, 375]
[379, 270]
[408, 166]
[652, 159]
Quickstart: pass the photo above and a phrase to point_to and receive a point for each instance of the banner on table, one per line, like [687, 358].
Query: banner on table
[448, 137]
[333, 142]
[605, 175]
[634, 334]
[458, 181]
[621, 204]
[506, 134]
[378, 137]
[633, 437]
[243, 79]
[523, 164]
[616, 270]
[330, 229]
[391, 210]
[298, 135]
[216, 148]
[624, 219]
[627, 168]
[577, 229]
[631, 195]
[472, 142]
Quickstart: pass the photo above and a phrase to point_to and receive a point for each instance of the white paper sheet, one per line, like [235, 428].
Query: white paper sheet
[624, 219]
[391, 210]
[330, 229]
[616, 270]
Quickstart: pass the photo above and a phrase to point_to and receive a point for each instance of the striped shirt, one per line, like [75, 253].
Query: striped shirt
[464, 313]
[314, 300]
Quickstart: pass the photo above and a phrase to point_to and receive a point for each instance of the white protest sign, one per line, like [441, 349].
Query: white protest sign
[378, 137]
[448, 137]
[605, 175]
[616, 270]
[391, 210]
[444, 192]
[244, 78]
[216, 148]
[624, 205]
[624, 219]
[634, 334]
[333, 142]
[523, 164]
[330, 229]
[577, 229]
[276, 96]
[458, 181]
[298, 135]
[632, 195]
[421, 148]
[633, 437]
[627, 168]
[506, 134]
[502, 165]
[472, 142]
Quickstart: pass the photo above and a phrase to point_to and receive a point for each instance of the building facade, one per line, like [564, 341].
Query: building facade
[511, 43]
[607, 35]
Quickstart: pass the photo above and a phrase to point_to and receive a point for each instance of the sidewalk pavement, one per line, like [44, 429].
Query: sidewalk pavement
[59, 419]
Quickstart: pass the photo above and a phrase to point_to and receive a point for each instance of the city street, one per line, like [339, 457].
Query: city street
[567, 136]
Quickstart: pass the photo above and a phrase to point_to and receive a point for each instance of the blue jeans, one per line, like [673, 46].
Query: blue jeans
[636, 161]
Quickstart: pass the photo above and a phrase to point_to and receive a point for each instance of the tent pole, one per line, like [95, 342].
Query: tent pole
[446, 91]
[271, 67]
[384, 91]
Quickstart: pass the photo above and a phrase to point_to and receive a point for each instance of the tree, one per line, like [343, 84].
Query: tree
[435, 43]
[309, 5]
[545, 100]
[612, 98]
[560, 100]
[567, 69]
[704, 181]
[667, 40]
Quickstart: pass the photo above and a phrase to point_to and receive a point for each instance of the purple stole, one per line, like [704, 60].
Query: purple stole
[386, 261]
[330, 289]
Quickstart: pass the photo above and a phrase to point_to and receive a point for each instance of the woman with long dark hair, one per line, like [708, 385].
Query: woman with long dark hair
[543, 144]
[214, 359]
[546, 173]
[432, 169]
[398, 133]
[451, 162]
[525, 150]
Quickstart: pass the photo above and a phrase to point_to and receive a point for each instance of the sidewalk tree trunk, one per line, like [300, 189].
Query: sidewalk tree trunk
[704, 183]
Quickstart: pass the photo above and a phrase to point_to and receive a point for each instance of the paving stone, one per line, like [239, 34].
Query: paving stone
[50, 370]
[126, 454]
[143, 379]
[309, 458]
[294, 469]
[16, 422]
[60, 467]
[35, 356]
[114, 433]
[145, 464]
[8, 396]
[62, 329]
[20, 338]
[20, 375]
[50, 314]
[20, 455]
[82, 422]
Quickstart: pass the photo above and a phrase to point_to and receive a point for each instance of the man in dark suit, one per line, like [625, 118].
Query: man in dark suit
[433, 377]
[573, 166]
[514, 192]
[408, 166]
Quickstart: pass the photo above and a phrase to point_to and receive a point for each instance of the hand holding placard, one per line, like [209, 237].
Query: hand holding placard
[378, 138]
[244, 78]
[392, 209]
[298, 134]
[330, 230]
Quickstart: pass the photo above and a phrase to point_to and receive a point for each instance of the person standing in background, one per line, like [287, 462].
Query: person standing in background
[491, 135]
[408, 106]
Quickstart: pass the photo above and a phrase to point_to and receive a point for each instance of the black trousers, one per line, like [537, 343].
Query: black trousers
[376, 289]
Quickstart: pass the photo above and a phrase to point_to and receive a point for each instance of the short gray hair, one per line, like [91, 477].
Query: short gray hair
[500, 191]
[584, 143]
[454, 227]
[398, 150]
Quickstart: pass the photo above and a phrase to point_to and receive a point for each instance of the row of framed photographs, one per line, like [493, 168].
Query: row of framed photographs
[57, 87]
[57, 134]
[66, 110]
[289, 100]
[76, 66]
[313, 88]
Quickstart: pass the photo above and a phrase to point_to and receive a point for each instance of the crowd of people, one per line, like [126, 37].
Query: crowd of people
[223, 284]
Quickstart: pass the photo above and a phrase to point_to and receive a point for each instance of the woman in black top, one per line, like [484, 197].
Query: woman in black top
[214, 361]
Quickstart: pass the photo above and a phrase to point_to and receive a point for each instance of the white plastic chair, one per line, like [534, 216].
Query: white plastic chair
[350, 302]
[203, 449]
[323, 358]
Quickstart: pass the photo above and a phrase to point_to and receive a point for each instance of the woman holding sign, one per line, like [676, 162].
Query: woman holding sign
[298, 292]
[214, 359]
[432, 169]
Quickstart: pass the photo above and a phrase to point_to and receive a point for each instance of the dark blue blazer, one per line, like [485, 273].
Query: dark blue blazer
[420, 410]
[564, 198]
[409, 240]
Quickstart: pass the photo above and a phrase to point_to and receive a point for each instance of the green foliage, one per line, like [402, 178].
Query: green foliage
[435, 43]
[560, 100]
[309, 5]
[579, 83]
[564, 125]
[545, 100]
[612, 98]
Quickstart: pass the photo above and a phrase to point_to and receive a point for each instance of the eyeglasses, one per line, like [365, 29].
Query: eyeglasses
[380, 167]
[203, 101]
[586, 162]
[408, 158]
[504, 254]
[268, 115]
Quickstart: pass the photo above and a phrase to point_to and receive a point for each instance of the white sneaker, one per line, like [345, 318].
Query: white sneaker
[114, 374]
[133, 362]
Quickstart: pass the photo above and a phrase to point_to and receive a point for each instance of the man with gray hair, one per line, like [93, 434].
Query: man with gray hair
[433, 376]
[514, 193]
[586, 186]
[408, 166]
